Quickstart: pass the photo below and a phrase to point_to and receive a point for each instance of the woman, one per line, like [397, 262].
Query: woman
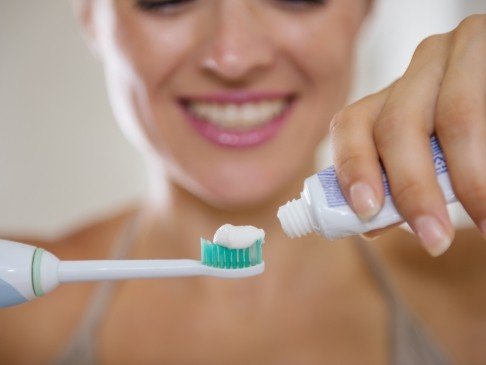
[227, 100]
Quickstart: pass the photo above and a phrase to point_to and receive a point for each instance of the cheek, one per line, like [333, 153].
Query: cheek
[154, 50]
[141, 57]
[325, 60]
[323, 50]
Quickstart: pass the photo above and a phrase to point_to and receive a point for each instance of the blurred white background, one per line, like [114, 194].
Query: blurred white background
[62, 157]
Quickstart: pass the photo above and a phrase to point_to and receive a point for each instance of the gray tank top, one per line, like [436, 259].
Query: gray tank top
[410, 344]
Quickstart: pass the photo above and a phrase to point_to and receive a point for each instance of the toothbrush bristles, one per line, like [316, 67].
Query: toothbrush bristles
[218, 256]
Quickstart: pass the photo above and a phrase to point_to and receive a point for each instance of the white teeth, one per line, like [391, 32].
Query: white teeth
[231, 114]
[238, 116]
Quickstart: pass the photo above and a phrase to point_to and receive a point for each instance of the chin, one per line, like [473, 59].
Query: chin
[243, 194]
[238, 202]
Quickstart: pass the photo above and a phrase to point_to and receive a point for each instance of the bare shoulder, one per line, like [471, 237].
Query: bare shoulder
[44, 324]
[92, 240]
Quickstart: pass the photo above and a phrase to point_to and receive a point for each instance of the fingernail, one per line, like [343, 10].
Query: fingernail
[364, 201]
[432, 234]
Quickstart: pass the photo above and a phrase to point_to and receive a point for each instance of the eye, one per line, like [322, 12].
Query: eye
[162, 6]
[301, 4]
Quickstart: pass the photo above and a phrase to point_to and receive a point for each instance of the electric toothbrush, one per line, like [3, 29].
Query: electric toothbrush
[28, 272]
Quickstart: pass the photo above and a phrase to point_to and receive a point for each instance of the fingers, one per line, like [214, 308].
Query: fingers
[402, 137]
[461, 119]
[355, 157]
[443, 90]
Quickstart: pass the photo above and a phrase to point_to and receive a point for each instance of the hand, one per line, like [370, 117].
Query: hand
[443, 91]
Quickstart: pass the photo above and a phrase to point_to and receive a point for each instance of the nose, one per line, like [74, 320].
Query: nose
[237, 46]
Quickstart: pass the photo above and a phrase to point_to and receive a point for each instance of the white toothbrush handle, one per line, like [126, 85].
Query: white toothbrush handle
[95, 270]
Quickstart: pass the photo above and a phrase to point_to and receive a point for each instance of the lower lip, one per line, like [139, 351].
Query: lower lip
[239, 139]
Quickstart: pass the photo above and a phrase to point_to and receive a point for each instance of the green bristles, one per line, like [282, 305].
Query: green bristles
[222, 257]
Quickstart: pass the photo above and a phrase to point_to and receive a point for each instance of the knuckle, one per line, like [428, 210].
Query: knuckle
[388, 126]
[455, 117]
[341, 120]
[347, 167]
[409, 190]
[469, 29]
[337, 121]
[471, 25]
[358, 112]
[430, 44]
[473, 191]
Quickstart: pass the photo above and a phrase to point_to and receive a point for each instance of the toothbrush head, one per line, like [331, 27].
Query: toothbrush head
[217, 256]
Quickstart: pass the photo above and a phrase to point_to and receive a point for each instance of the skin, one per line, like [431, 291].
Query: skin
[316, 300]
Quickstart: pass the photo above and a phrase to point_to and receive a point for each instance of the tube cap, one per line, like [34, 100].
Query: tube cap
[294, 218]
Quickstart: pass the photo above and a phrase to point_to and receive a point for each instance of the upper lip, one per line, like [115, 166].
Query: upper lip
[236, 97]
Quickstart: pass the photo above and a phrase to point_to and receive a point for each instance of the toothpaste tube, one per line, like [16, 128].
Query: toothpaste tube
[322, 207]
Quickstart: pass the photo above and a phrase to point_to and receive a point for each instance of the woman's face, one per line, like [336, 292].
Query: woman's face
[231, 96]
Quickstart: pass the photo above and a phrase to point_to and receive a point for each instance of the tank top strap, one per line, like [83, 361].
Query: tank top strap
[81, 348]
[409, 341]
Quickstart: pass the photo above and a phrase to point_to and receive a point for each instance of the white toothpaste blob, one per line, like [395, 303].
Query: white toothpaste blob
[238, 237]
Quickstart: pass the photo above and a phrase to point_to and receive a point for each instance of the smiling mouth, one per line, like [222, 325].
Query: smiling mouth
[238, 116]
[238, 119]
